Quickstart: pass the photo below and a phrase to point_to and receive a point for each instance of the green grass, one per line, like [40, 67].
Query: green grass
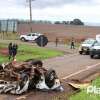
[27, 52]
[9, 36]
[83, 95]
[3, 58]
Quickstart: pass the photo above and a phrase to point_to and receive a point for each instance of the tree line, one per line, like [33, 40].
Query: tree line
[11, 24]
[73, 22]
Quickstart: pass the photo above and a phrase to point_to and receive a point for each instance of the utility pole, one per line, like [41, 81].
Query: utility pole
[30, 10]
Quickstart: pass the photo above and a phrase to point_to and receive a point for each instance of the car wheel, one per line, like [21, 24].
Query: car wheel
[91, 56]
[23, 39]
[80, 52]
[50, 78]
[35, 62]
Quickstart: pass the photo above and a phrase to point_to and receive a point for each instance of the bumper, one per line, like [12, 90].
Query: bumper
[85, 50]
[95, 52]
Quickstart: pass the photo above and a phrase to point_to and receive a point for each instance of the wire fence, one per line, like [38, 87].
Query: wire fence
[8, 26]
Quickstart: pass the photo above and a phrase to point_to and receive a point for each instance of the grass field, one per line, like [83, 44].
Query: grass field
[9, 36]
[27, 52]
[83, 95]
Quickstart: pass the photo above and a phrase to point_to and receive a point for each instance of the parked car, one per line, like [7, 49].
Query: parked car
[86, 45]
[95, 50]
[98, 37]
[29, 36]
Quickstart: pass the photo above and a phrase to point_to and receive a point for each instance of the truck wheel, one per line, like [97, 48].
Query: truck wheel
[42, 41]
[80, 52]
[23, 39]
[35, 62]
[91, 56]
[50, 78]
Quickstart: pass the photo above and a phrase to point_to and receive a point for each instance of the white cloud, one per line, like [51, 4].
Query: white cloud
[52, 9]
[69, 12]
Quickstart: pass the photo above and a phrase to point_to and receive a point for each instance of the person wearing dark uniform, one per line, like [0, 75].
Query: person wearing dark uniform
[72, 44]
[10, 47]
[14, 50]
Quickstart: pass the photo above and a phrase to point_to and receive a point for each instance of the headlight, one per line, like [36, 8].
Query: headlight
[80, 48]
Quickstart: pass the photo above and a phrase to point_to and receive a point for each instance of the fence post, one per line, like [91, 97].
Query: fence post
[56, 42]
[14, 24]
[7, 28]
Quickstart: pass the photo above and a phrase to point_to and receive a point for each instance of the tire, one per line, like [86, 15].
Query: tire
[23, 39]
[91, 56]
[35, 62]
[50, 78]
[24, 79]
[80, 52]
[1, 67]
[41, 41]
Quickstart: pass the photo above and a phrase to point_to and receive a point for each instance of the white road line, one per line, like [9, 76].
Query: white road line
[72, 55]
[87, 68]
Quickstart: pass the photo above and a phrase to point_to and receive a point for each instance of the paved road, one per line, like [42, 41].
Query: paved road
[70, 64]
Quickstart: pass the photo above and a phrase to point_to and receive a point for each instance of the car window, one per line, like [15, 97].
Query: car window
[33, 34]
[29, 35]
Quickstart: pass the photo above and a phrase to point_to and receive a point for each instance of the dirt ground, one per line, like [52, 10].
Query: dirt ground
[61, 31]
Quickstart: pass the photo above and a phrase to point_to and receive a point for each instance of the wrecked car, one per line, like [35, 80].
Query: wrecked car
[20, 77]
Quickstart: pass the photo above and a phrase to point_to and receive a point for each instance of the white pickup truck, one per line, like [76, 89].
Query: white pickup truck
[86, 45]
[29, 36]
[98, 37]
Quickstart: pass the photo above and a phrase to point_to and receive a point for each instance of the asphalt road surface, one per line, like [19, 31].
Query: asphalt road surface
[70, 64]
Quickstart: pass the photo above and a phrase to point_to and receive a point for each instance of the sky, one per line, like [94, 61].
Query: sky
[53, 10]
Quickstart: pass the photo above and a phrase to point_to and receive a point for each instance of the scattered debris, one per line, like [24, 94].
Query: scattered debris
[79, 85]
[19, 77]
[21, 98]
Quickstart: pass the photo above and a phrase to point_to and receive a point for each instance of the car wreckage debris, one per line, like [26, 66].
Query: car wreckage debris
[18, 78]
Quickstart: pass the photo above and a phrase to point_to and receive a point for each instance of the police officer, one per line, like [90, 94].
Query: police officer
[10, 50]
[72, 44]
[14, 50]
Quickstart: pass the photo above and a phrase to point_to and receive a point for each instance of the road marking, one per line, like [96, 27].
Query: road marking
[71, 55]
[87, 68]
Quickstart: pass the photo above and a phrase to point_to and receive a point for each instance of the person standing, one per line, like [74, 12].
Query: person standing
[10, 51]
[14, 50]
[72, 44]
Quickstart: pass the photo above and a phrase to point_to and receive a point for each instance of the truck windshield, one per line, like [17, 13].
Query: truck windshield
[97, 44]
[91, 41]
